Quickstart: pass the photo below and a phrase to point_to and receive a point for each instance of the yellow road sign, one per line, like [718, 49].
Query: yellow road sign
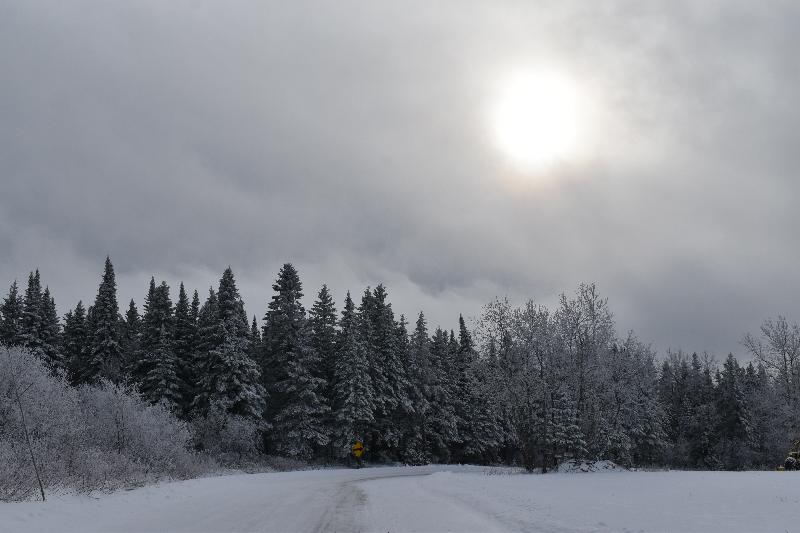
[358, 448]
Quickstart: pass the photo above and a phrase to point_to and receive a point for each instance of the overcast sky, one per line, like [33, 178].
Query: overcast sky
[351, 139]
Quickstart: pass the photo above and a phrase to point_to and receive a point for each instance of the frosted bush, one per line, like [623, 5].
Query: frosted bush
[231, 439]
[16, 473]
[88, 438]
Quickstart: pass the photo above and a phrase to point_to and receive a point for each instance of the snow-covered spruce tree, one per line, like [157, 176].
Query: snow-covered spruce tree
[647, 424]
[415, 446]
[406, 417]
[702, 422]
[283, 321]
[194, 310]
[486, 432]
[733, 429]
[39, 327]
[300, 425]
[686, 396]
[440, 423]
[140, 362]
[208, 337]
[184, 348]
[441, 426]
[387, 372]
[229, 377]
[50, 332]
[458, 395]
[462, 353]
[769, 440]
[564, 439]
[11, 317]
[31, 327]
[130, 337]
[75, 342]
[676, 403]
[157, 365]
[255, 340]
[322, 321]
[353, 394]
[105, 351]
[299, 411]
[478, 426]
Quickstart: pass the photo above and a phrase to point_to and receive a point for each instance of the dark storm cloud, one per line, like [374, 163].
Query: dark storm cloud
[351, 139]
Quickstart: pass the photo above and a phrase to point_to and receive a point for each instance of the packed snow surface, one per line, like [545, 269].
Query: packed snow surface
[457, 499]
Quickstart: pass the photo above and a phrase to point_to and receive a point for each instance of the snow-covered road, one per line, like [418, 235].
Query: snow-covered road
[458, 499]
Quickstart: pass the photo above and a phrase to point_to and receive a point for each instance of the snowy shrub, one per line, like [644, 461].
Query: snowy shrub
[574, 466]
[230, 439]
[87, 438]
[16, 474]
[147, 440]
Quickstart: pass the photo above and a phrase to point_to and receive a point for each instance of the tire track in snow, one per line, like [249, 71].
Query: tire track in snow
[396, 506]
[345, 512]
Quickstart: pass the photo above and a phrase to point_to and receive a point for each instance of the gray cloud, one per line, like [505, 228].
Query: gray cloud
[351, 139]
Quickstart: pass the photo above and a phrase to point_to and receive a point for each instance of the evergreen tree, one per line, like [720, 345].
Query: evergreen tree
[389, 379]
[406, 418]
[353, 393]
[297, 393]
[184, 347]
[322, 321]
[11, 317]
[158, 365]
[105, 353]
[322, 324]
[194, 309]
[208, 338]
[32, 315]
[75, 343]
[676, 398]
[734, 419]
[415, 448]
[50, 332]
[457, 392]
[463, 357]
[141, 361]
[130, 341]
[701, 434]
[768, 440]
[283, 323]
[237, 376]
[564, 438]
[485, 431]
[255, 340]
[229, 377]
[441, 427]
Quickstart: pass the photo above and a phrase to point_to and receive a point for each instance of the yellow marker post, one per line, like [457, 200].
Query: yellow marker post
[358, 449]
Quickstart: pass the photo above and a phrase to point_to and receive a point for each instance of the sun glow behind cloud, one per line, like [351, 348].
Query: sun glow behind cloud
[538, 119]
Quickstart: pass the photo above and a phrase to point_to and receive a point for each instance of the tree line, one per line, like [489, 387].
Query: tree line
[526, 385]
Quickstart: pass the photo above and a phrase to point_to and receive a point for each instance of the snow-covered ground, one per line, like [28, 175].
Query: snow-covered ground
[458, 499]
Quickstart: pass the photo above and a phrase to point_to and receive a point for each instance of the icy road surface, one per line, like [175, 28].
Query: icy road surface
[457, 499]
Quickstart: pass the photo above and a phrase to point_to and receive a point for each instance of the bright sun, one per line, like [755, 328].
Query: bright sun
[537, 119]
